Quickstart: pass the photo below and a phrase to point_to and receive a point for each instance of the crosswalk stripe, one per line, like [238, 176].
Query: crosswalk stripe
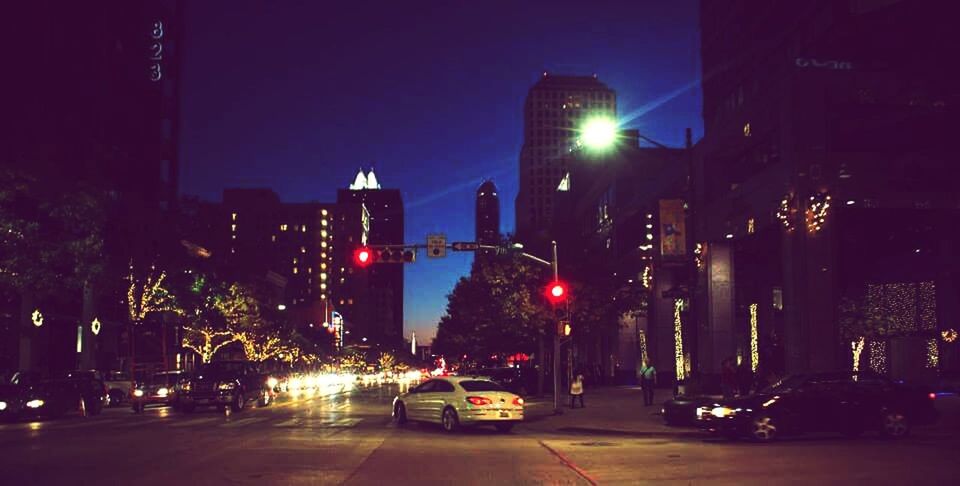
[196, 422]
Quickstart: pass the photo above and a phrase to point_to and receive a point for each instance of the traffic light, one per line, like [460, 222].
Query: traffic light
[363, 257]
[563, 328]
[396, 255]
[557, 292]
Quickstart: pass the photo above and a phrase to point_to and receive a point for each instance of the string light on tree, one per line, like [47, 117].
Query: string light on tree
[95, 326]
[754, 338]
[933, 354]
[37, 318]
[878, 356]
[647, 277]
[857, 347]
[679, 364]
[785, 212]
[698, 255]
[817, 211]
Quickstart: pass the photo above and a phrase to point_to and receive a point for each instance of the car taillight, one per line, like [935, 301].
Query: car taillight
[932, 396]
[518, 401]
[479, 400]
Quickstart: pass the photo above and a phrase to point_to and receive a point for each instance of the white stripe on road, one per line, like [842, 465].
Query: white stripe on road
[245, 421]
[195, 422]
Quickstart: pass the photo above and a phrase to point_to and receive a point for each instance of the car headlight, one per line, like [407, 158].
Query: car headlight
[35, 403]
[185, 386]
[3, 406]
[723, 412]
[162, 392]
[272, 382]
[227, 386]
[138, 393]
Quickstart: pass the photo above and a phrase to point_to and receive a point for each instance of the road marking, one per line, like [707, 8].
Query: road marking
[567, 462]
[245, 421]
[197, 422]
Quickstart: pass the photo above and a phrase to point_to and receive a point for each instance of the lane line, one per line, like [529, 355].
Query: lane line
[567, 462]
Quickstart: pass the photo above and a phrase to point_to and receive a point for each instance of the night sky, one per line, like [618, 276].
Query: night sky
[297, 96]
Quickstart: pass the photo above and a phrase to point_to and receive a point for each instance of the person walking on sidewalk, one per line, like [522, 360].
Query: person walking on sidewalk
[648, 379]
[576, 391]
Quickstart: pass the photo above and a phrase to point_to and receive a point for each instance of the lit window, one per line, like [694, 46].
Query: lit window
[233, 237]
[309, 269]
[323, 233]
[295, 270]
[323, 266]
[323, 276]
[323, 244]
[303, 229]
[303, 249]
[323, 222]
[323, 212]
[233, 216]
[233, 227]
[283, 227]
[323, 286]
[341, 280]
[323, 296]
[323, 255]
[273, 238]
[349, 301]
[233, 250]
[342, 301]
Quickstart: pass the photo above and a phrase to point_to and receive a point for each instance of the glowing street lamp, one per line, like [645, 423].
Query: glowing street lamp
[598, 133]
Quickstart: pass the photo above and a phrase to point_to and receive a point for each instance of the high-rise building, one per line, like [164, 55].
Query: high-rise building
[385, 209]
[553, 111]
[487, 215]
[825, 185]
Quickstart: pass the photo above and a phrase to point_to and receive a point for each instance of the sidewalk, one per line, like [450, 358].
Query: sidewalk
[614, 411]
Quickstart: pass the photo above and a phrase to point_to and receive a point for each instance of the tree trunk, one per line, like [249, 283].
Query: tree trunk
[542, 355]
[87, 358]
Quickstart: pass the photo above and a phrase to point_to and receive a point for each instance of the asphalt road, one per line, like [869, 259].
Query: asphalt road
[349, 438]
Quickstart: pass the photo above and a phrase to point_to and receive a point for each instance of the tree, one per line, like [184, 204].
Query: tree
[498, 309]
[386, 361]
[206, 330]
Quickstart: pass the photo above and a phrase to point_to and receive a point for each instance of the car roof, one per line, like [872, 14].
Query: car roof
[459, 378]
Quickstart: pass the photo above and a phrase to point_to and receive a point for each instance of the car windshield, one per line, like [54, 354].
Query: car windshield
[163, 379]
[480, 386]
[785, 385]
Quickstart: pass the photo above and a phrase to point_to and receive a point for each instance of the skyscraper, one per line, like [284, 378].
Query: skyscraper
[385, 208]
[554, 108]
[487, 215]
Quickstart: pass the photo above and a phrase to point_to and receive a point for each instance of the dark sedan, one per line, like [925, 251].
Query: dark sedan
[160, 389]
[844, 402]
[27, 395]
[682, 410]
[224, 384]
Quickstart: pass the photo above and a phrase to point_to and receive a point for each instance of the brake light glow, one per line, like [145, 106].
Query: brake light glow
[932, 396]
[479, 400]
[518, 401]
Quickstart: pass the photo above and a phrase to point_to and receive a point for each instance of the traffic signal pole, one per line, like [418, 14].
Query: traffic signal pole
[556, 344]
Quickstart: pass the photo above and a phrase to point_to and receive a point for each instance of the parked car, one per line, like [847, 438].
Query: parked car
[29, 395]
[453, 401]
[160, 389]
[224, 384]
[119, 386]
[682, 410]
[844, 402]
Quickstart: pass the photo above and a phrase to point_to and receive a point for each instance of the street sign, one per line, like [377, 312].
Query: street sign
[436, 246]
[465, 246]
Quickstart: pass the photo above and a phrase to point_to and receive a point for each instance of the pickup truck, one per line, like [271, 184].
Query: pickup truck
[119, 387]
[224, 384]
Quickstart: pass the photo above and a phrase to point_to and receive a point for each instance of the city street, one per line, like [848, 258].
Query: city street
[350, 439]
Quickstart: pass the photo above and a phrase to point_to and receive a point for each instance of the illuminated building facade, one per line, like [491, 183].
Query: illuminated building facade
[552, 112]
[384, 307]
[825, 175]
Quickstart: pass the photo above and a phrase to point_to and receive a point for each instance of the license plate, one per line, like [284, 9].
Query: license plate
[504, 414]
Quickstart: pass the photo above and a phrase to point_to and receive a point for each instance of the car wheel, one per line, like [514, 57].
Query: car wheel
[116, 398]
[264, 399]
[449, 420]
[504, 428]
[238, 403]
[763, 428]
[894, 425]
[400, 414]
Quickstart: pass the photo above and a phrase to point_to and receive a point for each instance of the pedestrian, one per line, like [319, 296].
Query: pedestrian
[728, 379]
[576, 391]
[648, 379]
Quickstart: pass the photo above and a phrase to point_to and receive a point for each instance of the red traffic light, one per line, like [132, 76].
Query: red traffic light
[557, 292]
[363, 257]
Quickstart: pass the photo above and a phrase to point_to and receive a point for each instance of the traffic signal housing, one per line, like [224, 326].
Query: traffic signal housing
[396, 255]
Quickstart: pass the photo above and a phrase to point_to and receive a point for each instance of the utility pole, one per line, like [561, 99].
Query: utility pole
[556, 343]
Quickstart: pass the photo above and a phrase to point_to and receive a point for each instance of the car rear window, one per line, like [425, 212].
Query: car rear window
[480, 386]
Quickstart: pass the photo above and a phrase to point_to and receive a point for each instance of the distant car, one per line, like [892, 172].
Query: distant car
[510, 378]
[119, 387]
[844, 402]
[28, 395]
[454, 401]
[161, 389]
[682, 410]
[224, 384]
